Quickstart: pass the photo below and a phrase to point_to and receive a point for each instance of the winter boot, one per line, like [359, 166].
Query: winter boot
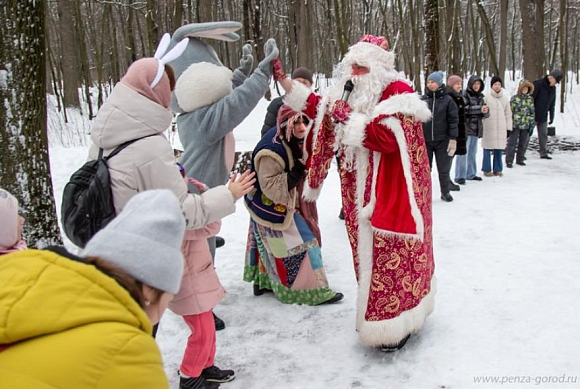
[260, 291]
[196, 383]
[446, 197]
[219, 242]
[453, 187]
[215, 374]
[219, 323]
[341, 214]
[336, 298]
[400, 345]
[461, 181]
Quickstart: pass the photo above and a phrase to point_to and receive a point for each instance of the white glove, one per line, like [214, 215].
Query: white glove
[451, 147]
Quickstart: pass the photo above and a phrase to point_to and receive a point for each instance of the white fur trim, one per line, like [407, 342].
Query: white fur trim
[395, 125]
[353, 131]
[309, 194]
[391, 332]
[409, 104]
[364, 54]
[202, 84]
[297, 97]
[367, 211]
[386, 233]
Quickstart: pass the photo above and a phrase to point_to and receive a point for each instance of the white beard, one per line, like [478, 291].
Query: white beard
[365, 96]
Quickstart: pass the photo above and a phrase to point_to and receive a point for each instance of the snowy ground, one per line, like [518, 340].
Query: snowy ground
[507, 305]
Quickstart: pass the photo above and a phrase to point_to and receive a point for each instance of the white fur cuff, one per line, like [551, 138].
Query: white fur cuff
[409, 104]
[297, 97]
[309, 194]
[354, 130]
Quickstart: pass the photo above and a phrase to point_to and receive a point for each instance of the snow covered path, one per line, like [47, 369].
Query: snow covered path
[507, 257]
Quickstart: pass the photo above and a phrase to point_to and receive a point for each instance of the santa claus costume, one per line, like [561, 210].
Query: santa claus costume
[386, 187]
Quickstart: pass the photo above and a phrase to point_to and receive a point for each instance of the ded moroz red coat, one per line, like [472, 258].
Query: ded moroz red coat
[386, 191]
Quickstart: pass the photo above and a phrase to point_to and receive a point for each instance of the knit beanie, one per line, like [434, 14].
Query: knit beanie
[141, 74]
[144, 240]
[495, 79]
[8, 220]
[302, 72]
[557, 74]
[436, 76]
[454, 80]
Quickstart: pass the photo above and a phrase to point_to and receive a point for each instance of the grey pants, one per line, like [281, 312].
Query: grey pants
[543, 138]
[518, 140]
[439, 149]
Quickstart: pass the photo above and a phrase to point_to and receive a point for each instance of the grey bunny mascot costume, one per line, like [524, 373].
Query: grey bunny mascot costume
[211, 100]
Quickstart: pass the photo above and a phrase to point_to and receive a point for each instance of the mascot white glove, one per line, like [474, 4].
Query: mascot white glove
[271, 53]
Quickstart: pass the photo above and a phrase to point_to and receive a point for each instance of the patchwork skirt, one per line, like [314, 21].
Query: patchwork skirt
[287, 262]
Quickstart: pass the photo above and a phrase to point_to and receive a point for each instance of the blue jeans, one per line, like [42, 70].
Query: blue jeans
[497, 163]
[465, 165]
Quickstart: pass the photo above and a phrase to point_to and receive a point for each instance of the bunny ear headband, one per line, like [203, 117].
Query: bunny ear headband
[163, 57]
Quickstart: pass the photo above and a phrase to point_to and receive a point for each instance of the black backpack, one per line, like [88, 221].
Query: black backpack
[87, 200]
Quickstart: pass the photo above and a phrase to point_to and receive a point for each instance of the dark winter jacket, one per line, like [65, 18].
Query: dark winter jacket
[461, 103]
[544, 100]
[272, 114]
[522, 106]
[475, 100]
[444, 118]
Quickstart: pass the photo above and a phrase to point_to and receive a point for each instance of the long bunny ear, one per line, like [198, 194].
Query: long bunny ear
[166, 58]
[163, 45]
[214, 30]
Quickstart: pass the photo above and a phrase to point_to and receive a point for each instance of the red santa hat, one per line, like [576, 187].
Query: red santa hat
[371, 50]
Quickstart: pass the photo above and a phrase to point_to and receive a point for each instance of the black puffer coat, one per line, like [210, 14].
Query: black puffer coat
[473, 115]
[272, 114]
[544, 100]
[443, 124]
[461, 103]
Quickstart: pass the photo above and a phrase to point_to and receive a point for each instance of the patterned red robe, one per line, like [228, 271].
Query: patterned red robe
[386, 196]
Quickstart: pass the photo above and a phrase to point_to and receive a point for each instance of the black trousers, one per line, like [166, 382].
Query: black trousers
[439, 149]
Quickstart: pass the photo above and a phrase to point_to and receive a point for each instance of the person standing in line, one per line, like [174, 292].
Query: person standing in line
[522, 105]
[302, 75]
[544, 104]
[495, 128]
[454, 87]
[441, 131]
[476, 111]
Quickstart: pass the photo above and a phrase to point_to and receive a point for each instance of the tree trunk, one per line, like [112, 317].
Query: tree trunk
[563, 25]
[503, 37]
[70, 73]
[304, 34]
[431, 37]
[494, 67]
[532, 38]
[24, 164]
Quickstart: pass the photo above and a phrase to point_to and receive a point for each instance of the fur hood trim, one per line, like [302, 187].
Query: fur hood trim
[409, 104]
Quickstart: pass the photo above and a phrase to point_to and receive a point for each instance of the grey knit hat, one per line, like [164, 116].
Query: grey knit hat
[145, 240]
[436, 76]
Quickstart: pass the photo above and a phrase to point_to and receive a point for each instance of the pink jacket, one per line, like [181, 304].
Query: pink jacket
[201, 289]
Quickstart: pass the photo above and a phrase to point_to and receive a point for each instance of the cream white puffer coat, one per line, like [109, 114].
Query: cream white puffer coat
[499, 122]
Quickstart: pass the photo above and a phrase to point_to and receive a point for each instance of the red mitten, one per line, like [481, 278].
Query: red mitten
[340, 111]
[279, 73]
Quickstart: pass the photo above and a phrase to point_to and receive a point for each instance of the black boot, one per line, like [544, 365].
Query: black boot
[400, 345]
[215, 374]
[219, 242]
[260, 291]
[336, 298]
[341, 214]
[196, 383]
[454, 187]
[219, 323]
[446, 197]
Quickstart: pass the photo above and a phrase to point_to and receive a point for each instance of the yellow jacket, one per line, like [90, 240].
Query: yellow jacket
[67, 325]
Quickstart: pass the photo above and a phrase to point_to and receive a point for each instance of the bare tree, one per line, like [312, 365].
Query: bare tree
[24, 165]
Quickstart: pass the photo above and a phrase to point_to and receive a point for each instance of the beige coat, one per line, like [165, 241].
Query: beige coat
[499, 122]
[149, 163]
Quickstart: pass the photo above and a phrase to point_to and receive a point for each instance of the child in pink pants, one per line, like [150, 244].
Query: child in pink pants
[200, 292]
